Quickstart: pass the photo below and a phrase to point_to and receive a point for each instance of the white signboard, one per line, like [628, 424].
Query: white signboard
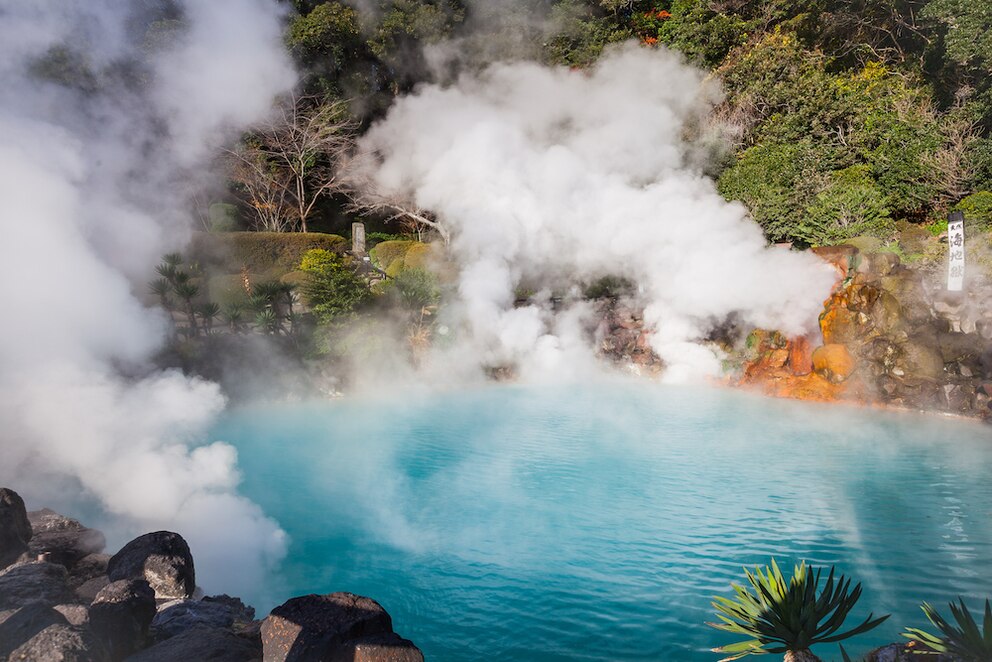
[955, 252]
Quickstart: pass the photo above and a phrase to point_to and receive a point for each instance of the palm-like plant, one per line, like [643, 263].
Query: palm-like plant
[234, 317]
[267, 321]
[161, 288]
[208, 313]
[964, 640]
[780, 617]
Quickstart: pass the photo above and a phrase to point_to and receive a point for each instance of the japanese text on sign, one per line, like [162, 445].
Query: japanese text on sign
[955, 242]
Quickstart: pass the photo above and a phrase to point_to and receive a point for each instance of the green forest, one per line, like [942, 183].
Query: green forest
[848, 118]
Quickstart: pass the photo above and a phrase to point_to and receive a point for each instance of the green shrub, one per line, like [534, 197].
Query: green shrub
[270, 253]
[332, 289]
[977, 210]
[374, 238]
[386, 253]
[327, 31]
[851, 205]
[702, 34]
[416, 288]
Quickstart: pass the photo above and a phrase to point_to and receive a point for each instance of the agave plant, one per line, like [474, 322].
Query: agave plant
[780, 617]
[964, 640]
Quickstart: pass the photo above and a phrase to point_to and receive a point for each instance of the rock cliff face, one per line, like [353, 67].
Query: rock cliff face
[61, 599]
[888, 335]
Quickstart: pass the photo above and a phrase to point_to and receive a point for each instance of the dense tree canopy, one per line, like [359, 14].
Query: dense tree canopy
[852, 115]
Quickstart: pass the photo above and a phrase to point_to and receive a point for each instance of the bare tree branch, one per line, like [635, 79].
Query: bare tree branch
[288, 163]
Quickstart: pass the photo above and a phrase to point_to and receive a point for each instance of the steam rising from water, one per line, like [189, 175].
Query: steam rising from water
[548, 175]
[92, 171]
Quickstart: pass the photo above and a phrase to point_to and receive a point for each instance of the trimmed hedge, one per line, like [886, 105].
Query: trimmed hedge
[386, 253]
[271, 253]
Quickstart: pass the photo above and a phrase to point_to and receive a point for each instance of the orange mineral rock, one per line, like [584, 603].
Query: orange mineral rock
[833, 362]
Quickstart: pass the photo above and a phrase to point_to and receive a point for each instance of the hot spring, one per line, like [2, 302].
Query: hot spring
[597, 522]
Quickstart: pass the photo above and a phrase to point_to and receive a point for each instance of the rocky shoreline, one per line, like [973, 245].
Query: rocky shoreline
[62, 599]
[889, 336]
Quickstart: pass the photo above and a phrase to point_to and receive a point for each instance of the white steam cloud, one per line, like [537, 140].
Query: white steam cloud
[550, 175]
[100, 131]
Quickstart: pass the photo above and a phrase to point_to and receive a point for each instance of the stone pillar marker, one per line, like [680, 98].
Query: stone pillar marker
[358, 239]
[955, 252]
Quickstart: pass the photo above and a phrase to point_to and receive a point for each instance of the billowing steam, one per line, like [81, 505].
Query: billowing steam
[555, 176]
[107, 109]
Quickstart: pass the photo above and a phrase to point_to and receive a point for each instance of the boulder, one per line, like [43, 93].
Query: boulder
[833, 362]
[921, 361]
[60, 643]
[214, 612]
[120, 616]
[63, 538]
[87, 590]
[313, 627]
[162, 559]
[20, 626]
[378, 648]
[843, 257]
[33, 582]
[202, 643]
[15, 529]
[75, 614]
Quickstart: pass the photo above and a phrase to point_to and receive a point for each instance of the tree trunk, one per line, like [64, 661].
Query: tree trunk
[802, 655]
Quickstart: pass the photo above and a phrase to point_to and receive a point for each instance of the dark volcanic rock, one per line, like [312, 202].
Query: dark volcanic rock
[120, 616]
[88, 590]
[162, 559]
[60, 643]
[26, 622]
[15, 529]
[75, 614]
[215, 612]
[24, 583]
[312, 627]
[63, 538]
[202, 644]
[87, 568]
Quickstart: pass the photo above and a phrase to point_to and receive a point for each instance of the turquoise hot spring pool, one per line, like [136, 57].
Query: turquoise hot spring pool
[596, 522]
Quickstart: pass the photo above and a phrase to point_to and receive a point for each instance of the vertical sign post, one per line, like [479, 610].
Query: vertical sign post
[955, 252]
[358, 239]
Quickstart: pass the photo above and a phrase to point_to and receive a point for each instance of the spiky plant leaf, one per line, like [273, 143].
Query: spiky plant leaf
[964, 640]
[780, 616]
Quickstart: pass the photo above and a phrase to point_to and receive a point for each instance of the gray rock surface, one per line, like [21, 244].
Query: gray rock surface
[215, 612]
[20, 626]
[202, 644]
[60, 643]
[87, 590]
[25, 583]
[15, 529]
[63, 538]
[378, 648]
[120, 616]
[89, 567]
[75, 614]
[312, 627]
[162, 559]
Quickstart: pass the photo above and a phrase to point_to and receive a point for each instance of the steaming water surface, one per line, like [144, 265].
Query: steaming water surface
[596, 522]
